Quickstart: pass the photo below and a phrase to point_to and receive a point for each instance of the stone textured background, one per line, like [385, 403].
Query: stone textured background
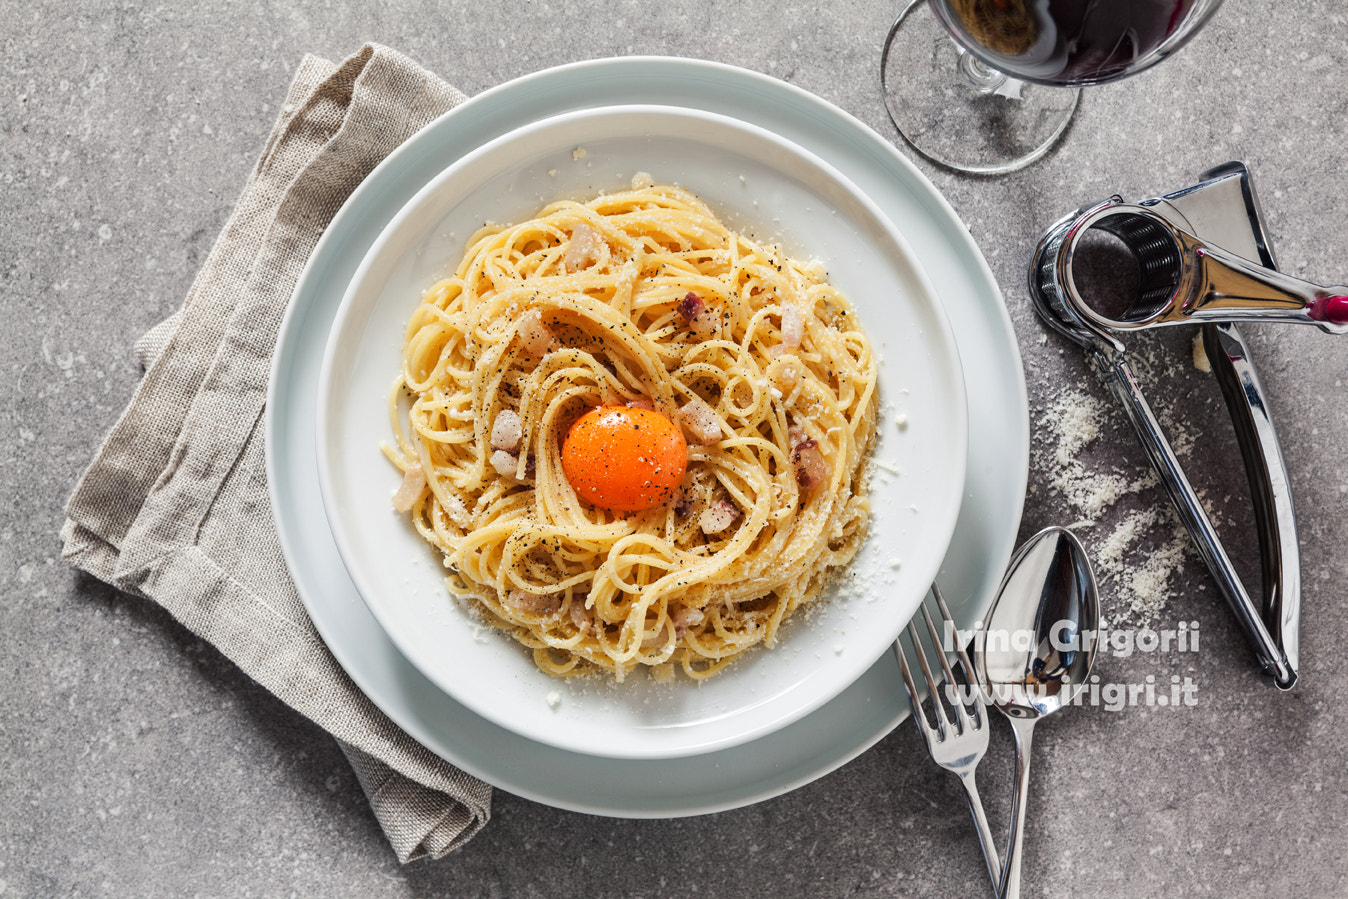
[136, 761]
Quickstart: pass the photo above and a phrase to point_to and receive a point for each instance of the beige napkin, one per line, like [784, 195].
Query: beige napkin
[174, 506]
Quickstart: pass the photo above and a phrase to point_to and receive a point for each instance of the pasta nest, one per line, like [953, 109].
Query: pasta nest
[588, 589]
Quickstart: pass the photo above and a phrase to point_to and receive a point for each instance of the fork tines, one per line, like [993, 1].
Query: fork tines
[965, 697]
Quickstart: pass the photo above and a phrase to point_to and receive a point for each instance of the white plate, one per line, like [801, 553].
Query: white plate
[822, 740]
[757, 183]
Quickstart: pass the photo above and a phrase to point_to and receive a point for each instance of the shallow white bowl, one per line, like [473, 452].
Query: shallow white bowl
[756, 182]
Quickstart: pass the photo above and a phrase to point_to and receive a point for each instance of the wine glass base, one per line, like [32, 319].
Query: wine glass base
[944, 116]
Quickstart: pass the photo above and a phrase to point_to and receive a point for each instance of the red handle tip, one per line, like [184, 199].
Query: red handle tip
[1336, 310]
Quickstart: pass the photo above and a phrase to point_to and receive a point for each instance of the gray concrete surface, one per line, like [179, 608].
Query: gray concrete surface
[136, 761]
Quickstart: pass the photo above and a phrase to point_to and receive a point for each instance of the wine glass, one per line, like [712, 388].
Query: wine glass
[999, 95]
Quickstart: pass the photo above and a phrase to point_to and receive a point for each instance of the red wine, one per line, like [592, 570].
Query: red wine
[1070, 41]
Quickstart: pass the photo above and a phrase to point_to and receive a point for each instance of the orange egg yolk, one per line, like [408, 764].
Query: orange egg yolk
[624, 459]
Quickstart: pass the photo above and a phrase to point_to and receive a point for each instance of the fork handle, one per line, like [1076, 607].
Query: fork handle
[1024, 731]
[985, 837]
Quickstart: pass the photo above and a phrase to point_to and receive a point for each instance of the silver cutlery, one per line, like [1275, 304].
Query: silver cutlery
[1048, 595]
[956, 745]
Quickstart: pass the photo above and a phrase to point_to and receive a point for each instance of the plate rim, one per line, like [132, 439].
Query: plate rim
[873, 705]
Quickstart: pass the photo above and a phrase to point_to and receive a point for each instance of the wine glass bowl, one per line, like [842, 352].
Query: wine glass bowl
[1072, 42]
[988, 86]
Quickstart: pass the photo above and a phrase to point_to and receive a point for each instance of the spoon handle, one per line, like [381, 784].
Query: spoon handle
[1024, 731]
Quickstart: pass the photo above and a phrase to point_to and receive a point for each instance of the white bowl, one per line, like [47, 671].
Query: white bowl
[756, 182]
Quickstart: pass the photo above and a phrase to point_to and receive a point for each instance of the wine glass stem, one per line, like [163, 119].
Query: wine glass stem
[980, 77]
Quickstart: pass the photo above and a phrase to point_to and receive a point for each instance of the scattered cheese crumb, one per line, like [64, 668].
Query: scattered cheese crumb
[901, 422]
[1201, 360]
[554, 699]
[886, 466]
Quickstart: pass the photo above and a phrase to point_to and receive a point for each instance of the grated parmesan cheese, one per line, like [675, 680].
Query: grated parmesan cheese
[1140, 556]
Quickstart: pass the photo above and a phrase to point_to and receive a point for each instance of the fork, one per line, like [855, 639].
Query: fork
[958, 745]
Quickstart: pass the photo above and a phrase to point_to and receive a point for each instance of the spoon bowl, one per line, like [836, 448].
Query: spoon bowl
[1036, 647]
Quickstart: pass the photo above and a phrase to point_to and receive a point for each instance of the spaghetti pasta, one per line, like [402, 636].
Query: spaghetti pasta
[639, 298]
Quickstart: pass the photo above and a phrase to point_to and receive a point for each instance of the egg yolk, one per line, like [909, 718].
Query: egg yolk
[624, 459]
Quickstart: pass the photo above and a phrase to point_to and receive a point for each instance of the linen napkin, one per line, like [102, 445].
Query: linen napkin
[174, 506]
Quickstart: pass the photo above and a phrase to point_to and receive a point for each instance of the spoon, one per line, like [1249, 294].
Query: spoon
[1034, 653]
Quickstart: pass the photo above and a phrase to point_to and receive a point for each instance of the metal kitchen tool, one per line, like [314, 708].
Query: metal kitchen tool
[1204, 257]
